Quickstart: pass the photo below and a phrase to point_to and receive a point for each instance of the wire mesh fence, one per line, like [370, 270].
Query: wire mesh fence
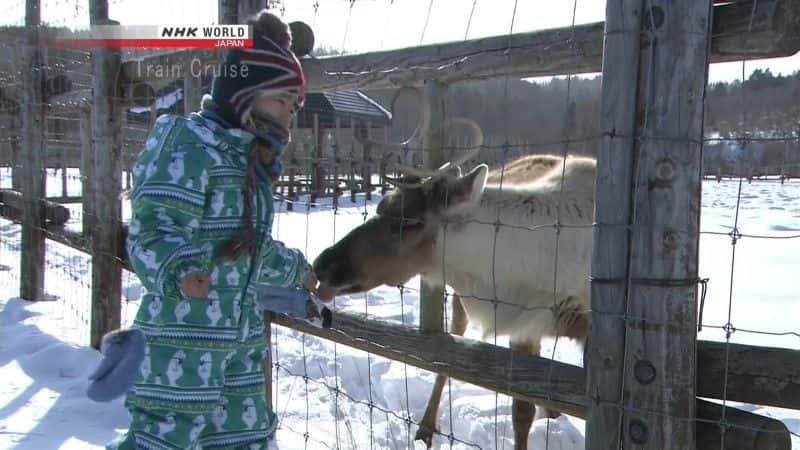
[331, 396]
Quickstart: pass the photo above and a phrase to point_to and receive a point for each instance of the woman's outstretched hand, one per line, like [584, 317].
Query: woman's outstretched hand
[322, 291]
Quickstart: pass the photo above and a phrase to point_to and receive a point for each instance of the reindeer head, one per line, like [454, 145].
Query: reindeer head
[400, 241]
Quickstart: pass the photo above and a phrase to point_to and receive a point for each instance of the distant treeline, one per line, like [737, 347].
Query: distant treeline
[763, 105]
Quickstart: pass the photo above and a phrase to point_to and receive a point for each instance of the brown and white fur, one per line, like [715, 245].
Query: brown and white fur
[444, 227]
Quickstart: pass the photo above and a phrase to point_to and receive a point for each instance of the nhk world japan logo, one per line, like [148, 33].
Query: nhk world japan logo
[157, 36]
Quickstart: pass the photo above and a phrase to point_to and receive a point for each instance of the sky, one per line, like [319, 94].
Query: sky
[371, 25]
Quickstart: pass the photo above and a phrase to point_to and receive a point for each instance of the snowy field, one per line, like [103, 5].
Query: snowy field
[44, 357]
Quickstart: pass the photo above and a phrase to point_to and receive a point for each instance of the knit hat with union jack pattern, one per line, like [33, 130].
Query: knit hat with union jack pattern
[268, 67]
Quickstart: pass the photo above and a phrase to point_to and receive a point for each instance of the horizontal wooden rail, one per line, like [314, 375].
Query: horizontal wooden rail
[774, 32]
[12, 205]
[479, 363]
[760, 375]
[549, 383]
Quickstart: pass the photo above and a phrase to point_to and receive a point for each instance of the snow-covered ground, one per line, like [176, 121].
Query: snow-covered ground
[44, 359]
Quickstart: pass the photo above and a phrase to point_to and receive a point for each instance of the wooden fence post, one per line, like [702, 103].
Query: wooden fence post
[15, 133]
[31, 169]
[292, 158]
[107, 136]
[351, 177]
[641, 350]
[337, 139]
[366, 167]
[316, 175]
[384, 163]
[382, 174]
[191, 88]
[64, 165]
[88, 189]
[227, 11]
[431, 317]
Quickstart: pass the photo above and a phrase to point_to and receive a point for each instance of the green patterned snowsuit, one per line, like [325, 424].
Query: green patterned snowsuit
[201, 384]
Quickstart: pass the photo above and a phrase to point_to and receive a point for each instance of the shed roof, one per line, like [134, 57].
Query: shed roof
[345, 105]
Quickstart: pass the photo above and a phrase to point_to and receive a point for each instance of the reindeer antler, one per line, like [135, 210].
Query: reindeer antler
[471, 151]
[422, 123]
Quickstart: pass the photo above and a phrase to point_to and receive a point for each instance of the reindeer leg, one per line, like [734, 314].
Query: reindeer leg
[573, 325]
[522, 412]
[428, 424]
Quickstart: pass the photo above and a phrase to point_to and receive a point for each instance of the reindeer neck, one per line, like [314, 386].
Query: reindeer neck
[528, 206]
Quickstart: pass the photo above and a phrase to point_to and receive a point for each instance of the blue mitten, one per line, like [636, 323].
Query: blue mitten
[123, 353]
[298, 303]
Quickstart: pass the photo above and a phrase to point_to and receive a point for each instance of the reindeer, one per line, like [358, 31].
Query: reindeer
[442, 224]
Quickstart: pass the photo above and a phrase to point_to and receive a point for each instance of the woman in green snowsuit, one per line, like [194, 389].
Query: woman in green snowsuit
[200, 241]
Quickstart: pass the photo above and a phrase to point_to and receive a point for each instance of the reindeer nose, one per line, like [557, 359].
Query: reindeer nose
[334, 268]
[323, 266]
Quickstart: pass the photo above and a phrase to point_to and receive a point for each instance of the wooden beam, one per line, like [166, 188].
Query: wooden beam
[475, 362]
[366, 163]
[68, 199]
[14, 202]
[53, 85]
[227, 11]
[743, 430]
[87, 163]
[526, 378]
[756, 158]
[771, 29]
[775, 32]
[191, 89]
[248, 8]
[69, 238]
[604, 351]
[69, 101]
[431, 297]
[107, 143]
[659, 367]
[316, 170]
[758, 375]
[238, 11]
[352, 171]
[15, 142]
[31, 169]
[337, 153]
[641, 356]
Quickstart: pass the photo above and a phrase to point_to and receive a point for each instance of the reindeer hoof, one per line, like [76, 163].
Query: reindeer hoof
[425, 435]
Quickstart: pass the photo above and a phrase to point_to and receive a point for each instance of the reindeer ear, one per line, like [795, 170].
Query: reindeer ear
[464, 193]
